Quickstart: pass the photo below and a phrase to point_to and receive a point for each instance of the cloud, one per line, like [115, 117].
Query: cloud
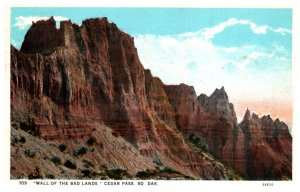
[252, 57]
[246, 71]
[24, 21]
[211, 32]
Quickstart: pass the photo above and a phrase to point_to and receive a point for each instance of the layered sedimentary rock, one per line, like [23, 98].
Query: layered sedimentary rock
[212, 119]
[268, 147]
[66, 82]
[259, 148]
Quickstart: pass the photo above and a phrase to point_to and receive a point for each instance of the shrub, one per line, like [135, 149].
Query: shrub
[87, 163]
[56, 160]
[146, 174]
[91, 141]
[29, 153]
[89, 174]
[22, 140]
[116, 134]
[117, 173]
[197, 142]
[14, 141]
[86, 172]
[168, 170]
[158, 162]
[36, 174]
[29, 126]
[50, 176]
[70, 164]
[62, 147]
[104, 166]
[81, 151]
[15, 125]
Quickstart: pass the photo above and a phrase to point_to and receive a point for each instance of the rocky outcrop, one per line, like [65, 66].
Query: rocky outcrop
[228, 142]
[158, 99]
[64, 82]
[93, 71]
[268, 147]
[211, 119]
[183, 100]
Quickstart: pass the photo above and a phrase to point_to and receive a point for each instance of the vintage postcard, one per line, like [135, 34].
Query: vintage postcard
[125, 97]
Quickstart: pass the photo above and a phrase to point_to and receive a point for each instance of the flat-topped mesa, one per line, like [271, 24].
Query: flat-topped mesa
[92, 73]
[93, 70]
[34, 42]
[68, 35]
[182, 97]
[98, 65]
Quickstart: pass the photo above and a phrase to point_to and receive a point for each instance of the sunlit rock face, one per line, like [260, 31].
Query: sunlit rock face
[67, 81]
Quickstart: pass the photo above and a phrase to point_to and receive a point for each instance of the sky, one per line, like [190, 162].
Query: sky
[248, 51]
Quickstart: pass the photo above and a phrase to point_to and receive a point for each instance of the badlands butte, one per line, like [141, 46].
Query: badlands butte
[84, 107]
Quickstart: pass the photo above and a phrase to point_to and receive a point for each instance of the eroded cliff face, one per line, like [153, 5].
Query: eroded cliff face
[67, 81]
[212, 120]
[258, 148]
[268, 147]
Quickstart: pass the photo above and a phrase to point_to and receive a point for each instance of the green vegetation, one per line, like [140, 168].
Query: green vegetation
[150, 174]
[200, 146]
[116, 134]
[15, 125]
[62, 147]
[158, 162]
[87, 163]
[91, 141]
[199, 143]
[50, 176]
[29, 126]
[29, 153]
[169, 170]
[69, 164]
[117, 174]
[102, 175]
[15, 141]
[104, 166]
[89, 174]
[86, 172]
[36, 174]
[232, 174]
[146, 174]
[22, 140]
[56, 160]
[81, 151]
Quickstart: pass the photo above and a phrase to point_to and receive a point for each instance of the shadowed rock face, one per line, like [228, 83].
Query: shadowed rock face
[64, 80]
[212, 119]
[92, 71]
[268, 147]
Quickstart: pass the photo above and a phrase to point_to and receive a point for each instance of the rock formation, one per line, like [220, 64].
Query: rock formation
[65, 83]
[268, 147]
[213, 120]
